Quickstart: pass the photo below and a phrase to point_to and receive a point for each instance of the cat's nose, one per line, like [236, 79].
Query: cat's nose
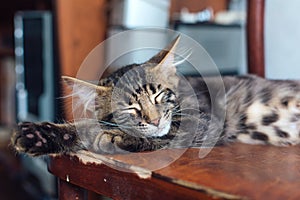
[155, 122]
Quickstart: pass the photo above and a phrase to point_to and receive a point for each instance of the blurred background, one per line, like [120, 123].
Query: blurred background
[40, 40]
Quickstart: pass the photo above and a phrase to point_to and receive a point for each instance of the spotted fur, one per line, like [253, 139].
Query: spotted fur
[144, 107]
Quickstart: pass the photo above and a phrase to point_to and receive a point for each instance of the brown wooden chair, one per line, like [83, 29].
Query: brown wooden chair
[236, 171]
[255, 37]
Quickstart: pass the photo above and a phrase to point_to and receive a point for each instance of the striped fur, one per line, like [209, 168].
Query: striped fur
[144, 107]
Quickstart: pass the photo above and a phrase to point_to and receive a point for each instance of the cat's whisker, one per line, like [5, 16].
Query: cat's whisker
[113, 124]
[187, 109]
[186, 54]
[96, 122]
[200, 92]
[181, 114]
[195, 94]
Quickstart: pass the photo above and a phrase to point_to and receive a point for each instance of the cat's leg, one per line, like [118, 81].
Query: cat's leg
[279, 120]
[272, 115]
[48, 138]
[111, 141]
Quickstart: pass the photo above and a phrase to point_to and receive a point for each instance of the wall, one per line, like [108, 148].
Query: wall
[282, 39]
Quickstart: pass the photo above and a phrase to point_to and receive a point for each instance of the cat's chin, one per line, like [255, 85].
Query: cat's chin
[162, 130]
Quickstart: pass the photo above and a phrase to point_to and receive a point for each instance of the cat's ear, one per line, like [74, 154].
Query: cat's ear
[86, 94]
[167, 54]
[164, 69]
[71, 82]
[85, 90]
[165, 60]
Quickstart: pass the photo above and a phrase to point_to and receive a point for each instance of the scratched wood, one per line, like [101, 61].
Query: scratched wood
[236, 171]
[115, 183]
[256, 172]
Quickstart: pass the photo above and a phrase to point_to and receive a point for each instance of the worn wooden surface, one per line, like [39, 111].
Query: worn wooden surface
[237, 171]
[69, 191]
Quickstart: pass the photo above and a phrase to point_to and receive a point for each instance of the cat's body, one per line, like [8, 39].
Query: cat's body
[145, 107]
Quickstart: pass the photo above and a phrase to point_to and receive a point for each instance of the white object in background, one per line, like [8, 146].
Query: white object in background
[194, 17]
[230, 17]
[140, 13]
[136, 41]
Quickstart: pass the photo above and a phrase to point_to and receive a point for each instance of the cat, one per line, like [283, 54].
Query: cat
[148, 106]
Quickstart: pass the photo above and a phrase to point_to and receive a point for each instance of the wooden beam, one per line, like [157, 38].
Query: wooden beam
[81, 27]
[255, 37]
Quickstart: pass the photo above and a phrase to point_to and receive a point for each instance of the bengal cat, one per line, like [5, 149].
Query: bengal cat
[148, 106]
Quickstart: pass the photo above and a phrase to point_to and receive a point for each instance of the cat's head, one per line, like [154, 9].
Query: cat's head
[140, 99]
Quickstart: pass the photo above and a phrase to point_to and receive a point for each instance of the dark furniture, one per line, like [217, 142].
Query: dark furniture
[236, 171]
[255, 37]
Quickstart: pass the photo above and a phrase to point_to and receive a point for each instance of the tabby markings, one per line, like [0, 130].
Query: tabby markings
[265, 95]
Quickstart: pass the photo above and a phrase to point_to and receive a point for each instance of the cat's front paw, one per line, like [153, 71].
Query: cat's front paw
[35, 138]
[115, 141]
[28, 138]
[108, 143]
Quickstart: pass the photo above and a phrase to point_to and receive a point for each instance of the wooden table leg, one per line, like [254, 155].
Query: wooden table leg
[68, 191]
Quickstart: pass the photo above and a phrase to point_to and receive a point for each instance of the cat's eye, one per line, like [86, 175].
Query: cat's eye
[165, 96]
[158, 98]
[132, 111]
[133, 106]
